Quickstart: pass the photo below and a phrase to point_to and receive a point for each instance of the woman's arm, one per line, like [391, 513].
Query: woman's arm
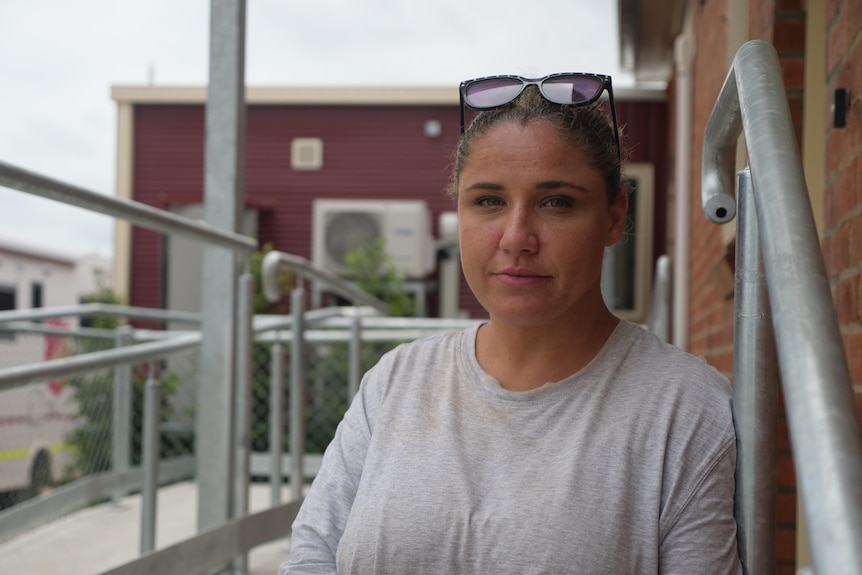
[703, 536]
[321, 520]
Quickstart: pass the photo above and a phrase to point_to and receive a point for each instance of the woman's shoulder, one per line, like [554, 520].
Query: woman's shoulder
[677, 390]
[431, 345]
[670, 380]
[650, 354]
[421, 359]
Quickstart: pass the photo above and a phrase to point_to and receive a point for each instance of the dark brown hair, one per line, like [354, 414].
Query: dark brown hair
[586, 127]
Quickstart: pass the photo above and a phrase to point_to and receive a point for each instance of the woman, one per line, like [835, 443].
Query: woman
[554, 438]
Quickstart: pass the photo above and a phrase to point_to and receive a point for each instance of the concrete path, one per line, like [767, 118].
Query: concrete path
[102, 537]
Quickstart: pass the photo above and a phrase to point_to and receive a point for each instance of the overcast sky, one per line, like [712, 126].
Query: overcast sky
[59, 59]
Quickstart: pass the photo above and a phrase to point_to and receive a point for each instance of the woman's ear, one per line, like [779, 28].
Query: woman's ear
[617, 221]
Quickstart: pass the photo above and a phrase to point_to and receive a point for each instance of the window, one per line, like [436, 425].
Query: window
[7, 298]
[35, 295]
[85, 320]
[627, 270]
[7, 302]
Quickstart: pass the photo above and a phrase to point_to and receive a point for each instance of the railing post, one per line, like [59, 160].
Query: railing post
[297, 391]
[660, 310]
[276, 417]
[215, 419]
[355, 360]
[755, 393]
[121, 425]
[150, 459]
[242, 440]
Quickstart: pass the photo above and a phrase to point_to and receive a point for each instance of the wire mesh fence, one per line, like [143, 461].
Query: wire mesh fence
[57, 431]
[327, 394]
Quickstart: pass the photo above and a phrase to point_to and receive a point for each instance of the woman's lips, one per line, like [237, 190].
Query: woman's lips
[519, 276]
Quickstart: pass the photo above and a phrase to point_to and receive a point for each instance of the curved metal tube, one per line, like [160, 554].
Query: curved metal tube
[719, 154]
[129, 210]
[276, 261]
[825, 432]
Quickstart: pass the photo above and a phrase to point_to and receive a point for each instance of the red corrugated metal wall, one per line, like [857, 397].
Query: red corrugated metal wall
[369, 152]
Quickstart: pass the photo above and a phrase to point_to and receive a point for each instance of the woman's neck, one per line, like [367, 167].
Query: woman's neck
[522, 358]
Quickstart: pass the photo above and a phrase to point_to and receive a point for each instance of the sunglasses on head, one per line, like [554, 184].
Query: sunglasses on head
[569, 89]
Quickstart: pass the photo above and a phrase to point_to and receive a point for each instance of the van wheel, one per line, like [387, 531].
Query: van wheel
[40, 476]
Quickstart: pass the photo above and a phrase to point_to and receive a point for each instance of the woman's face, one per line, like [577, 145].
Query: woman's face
[534, 222]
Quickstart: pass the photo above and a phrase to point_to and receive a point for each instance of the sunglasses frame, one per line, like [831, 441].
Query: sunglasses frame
[538, 82]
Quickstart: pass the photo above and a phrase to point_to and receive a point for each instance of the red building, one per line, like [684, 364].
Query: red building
[309, 143]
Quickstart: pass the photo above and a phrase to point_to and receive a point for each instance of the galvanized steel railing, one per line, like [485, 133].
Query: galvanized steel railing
[776, 230]
[158, 220]
[129, 210]
[122, 478]
[273, 263]
[660, 309]
[353, 325]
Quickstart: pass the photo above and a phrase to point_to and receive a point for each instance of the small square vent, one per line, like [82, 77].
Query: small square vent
[306, 154]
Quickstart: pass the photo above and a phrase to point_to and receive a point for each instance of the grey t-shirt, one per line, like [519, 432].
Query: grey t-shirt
[624, 467]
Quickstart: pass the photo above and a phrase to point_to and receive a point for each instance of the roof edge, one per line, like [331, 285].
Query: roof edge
[331, 95]
[262, 95]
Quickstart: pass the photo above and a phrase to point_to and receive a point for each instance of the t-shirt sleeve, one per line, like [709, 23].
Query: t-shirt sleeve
[322, 518]
[703, 537]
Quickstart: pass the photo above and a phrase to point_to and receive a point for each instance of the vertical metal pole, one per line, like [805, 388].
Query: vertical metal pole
[683, 52]
[297, 391]
[150, 460]
[450, 264]
[660, 319]
[355, 356]
[122, 417]
[224, 197]
[276, 418]
[245, 346]
[755, 393]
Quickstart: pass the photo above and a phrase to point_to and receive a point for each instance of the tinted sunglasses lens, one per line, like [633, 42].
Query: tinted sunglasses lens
[492, 92]
[572, 89]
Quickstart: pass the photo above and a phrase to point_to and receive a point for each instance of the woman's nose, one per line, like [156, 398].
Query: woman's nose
[519, 234]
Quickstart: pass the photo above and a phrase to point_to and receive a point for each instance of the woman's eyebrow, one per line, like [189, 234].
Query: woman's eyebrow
[545, 185]
[484, 186]
[554, 184]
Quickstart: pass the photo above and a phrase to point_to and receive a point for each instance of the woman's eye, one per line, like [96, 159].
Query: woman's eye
[558, 202]
[488, 201]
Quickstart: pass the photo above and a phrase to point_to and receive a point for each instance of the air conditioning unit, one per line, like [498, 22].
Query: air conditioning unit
[340, 226]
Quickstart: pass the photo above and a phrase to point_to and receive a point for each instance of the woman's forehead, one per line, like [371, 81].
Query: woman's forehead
[518, 137]
[535, 142]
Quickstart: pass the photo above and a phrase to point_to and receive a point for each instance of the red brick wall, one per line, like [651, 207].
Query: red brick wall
[842, 235]
[711, 320]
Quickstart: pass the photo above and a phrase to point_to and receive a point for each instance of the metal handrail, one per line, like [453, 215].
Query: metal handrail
[329, 325]
[129, 210]
[85, 491]
[659, 316]
[17, 376]
[207, 551]
[20, 375]
[275, 261]
[824, 427]
[91, 309]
